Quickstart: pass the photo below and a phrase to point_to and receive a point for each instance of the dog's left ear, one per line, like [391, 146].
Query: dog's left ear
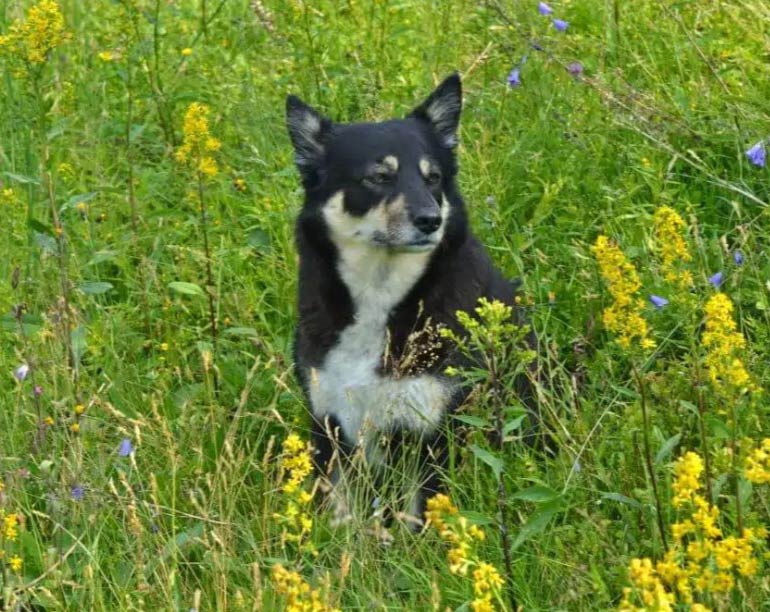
[309, 131]
[442, 110]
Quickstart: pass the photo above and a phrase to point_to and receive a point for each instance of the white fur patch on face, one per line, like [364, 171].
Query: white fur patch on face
[385, 225]
[391, 161]
[348, 385]
[425, 166]
[346, 228]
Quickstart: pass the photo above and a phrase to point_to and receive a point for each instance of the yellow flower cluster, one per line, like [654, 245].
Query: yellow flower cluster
[198, 143]
[32, 40]
[671, 245]
[649, 587]
[702, 560]
[7, 196]
[624, 316]
[296, 466]
[10, 527]
[687, 473]
[724, 344]
[299, 596]
[758, 464]
[444, 516]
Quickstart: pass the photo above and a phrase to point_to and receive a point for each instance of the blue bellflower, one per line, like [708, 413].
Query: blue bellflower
[514, 78]
[738, 258]
[560, 25]
[575, 69]
[757, 154]
[21, 372]
[126, 448]
[544, 9]
[658, 301]
[717, 279]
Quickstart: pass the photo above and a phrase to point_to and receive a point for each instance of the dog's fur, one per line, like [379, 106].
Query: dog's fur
[386, 257]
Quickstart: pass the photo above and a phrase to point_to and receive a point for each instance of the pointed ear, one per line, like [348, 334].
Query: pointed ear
[442, 110]
[308, 130]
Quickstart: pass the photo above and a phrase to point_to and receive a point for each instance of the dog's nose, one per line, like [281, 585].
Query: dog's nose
[427, 224]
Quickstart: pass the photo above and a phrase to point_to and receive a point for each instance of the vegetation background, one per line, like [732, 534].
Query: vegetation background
[139, 450]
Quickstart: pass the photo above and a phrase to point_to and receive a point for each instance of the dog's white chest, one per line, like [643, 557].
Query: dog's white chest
[348, 386]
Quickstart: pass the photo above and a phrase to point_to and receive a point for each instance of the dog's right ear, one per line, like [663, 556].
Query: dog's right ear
[308, 130]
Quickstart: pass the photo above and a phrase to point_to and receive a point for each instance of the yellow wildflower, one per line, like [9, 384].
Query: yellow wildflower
[299, 596]
[687, 472]
[15, 563]
[757, 469]
[486, 583]
[10, 527]
[198, 142]
[705, 517]
[623, 317]
[296, 465]
[33, 39]
[187, 51]
[7, 196]
[648, 586]
[671, 244]
[724, 344]
[79, 409]
[75, 428]
[443, 515]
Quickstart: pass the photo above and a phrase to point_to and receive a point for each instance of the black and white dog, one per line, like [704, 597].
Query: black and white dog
[386, 257]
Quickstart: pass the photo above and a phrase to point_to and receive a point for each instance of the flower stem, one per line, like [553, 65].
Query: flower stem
[132, 203]
[648, 456]
[210, 288]
[702, 431]
[502, 491]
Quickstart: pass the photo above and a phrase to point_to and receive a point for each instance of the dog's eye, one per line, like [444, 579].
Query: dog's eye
[378, 178]
[433, 178]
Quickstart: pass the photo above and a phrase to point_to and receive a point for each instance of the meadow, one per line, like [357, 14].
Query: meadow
[152, 435]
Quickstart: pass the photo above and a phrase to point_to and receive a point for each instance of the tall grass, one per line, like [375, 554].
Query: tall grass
[107, 293]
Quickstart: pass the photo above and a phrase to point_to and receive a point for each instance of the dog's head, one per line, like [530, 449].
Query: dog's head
[388, 184]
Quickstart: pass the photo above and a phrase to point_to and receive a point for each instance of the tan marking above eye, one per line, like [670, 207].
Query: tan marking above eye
[425, 166]
[391, 162]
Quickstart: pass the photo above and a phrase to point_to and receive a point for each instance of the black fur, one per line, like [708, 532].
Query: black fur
[333, 157]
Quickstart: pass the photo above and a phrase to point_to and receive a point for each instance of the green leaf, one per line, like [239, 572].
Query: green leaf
[622, 499]
[667, 447]
[513, 424]
[258, 239]
[40, 227]
[536, 523]
[95, 287]
[79, 339]
[718, 428]
[20, 178]
[101, 256]
[471, 420]
[241, 331]
[186, 288]
[536, 493]
[77, 199]
[477, 518]
[32, 323]
[496, 463]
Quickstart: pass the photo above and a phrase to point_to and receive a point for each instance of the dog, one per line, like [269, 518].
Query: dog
[386, 258]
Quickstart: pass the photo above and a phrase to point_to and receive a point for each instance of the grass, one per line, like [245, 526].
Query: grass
[670, 97]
